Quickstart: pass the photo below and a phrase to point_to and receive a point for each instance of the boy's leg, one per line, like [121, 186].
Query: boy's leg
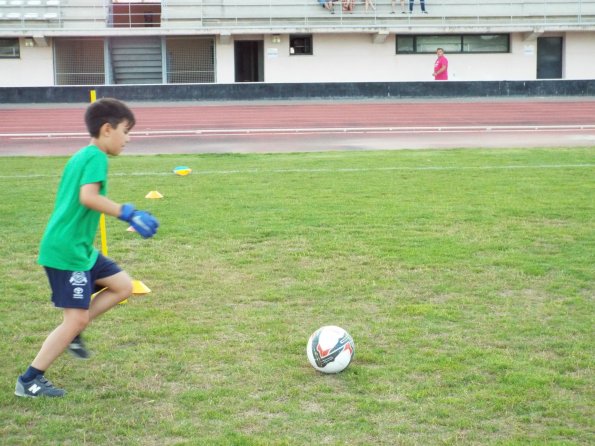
[105, 274]
[33, 383]
[75, 320]
[118, 288]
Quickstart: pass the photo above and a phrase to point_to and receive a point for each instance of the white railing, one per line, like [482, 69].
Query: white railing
[217, 15]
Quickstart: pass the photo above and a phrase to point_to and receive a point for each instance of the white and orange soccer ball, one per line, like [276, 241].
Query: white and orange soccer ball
[330, 349]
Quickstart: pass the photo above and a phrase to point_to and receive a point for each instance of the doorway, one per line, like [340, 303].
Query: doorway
[249, 60]
[549, 57]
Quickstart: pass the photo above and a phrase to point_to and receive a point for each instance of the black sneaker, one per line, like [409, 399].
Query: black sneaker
[39, 386]
[77, 348]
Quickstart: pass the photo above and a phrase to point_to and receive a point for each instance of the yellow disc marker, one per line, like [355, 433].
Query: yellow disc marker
[182, 170]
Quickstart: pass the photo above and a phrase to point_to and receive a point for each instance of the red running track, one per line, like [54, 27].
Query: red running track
[301, 126]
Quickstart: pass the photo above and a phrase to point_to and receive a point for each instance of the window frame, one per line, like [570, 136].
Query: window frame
[461, 49]
[308, 45]
[10, 42]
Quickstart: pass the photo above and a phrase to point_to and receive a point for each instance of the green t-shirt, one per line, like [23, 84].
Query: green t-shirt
[67, 243]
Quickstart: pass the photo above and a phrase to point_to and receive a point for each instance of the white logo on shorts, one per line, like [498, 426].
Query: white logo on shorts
[77, 293]
[78, 278]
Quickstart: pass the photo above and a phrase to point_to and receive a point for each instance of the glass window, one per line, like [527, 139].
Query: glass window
[9, 49]
[428, 44]
[486, 43]
[405, 44]
[300, 44]
[454, 43]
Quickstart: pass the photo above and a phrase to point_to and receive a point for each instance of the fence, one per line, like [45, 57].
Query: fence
[77, 17]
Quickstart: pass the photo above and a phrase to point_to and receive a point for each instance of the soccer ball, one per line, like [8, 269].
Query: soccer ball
[330, 349]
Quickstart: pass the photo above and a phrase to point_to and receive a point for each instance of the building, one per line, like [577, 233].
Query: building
[103, 42]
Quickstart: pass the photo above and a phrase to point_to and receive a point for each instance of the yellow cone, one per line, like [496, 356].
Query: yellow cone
[139, 288]
[153, 194]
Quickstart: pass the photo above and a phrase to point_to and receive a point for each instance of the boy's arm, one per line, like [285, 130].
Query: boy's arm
[89, 196]
[143, 222]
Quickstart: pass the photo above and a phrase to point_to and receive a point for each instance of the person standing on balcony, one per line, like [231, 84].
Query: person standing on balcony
[394, 6]
[440, 66]
[423, 6]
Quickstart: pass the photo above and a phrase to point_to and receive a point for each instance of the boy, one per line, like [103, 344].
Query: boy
[73, 265]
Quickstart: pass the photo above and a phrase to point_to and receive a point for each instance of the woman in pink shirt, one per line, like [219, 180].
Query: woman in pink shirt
[440, 66]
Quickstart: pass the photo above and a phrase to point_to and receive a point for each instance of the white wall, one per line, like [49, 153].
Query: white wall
[336, 58]
[224, 62]
[578, 54]
[355, 58]
[34, 68]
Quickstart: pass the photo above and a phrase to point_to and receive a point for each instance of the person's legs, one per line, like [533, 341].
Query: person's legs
[118, 288]
[75, 320]
[114, 289]
[410, 5]
[423, 5]
[73, 289]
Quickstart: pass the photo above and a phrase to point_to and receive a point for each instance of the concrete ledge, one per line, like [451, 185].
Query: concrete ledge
[302, 91]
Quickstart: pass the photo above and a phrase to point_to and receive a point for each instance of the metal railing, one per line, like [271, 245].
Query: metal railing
[215, 16]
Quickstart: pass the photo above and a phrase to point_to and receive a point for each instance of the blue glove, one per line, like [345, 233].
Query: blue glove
[142, 222]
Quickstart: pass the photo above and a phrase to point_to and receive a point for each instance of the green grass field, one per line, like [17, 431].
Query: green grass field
[466, 278]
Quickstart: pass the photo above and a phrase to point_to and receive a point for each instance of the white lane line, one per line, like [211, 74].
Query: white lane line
[329, 170]
[313, 130]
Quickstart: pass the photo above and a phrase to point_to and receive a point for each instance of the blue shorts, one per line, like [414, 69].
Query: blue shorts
[73, 289]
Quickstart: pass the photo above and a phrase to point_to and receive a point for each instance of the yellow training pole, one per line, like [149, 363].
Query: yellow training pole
[103, 234]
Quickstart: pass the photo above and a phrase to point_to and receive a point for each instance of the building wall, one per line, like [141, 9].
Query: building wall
[579, 62]
[349, 58]
[355, 58]
[34, 68]
[335, 58]
[224, 63]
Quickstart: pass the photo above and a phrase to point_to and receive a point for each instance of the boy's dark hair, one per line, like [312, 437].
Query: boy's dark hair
[107, 110]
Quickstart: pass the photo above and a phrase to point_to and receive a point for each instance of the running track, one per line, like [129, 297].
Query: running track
[311, 126]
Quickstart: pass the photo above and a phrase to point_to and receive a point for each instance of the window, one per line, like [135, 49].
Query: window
[457, 43]
[486, 43]
[135, 13]
[9, 49]
[300, 44]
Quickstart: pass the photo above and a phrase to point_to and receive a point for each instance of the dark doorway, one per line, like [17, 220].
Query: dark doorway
[549, 58]
[249, 61]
